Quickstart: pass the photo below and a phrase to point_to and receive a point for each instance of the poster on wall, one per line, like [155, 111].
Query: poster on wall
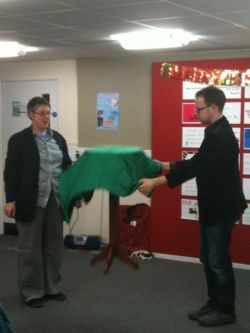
[232, 112]
[189, 89]
[246, 164]
[189, 115]
[189, 188]
[231, 91]
[247, 113]
[189, 209]
[246, 188]
[246, 138]
[107, 111]
[236, 131]
[192, 137]
[246, 216]
[247, 92]
[19, 109]
[187, 154]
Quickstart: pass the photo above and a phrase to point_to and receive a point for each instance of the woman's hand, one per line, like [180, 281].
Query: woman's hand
[78, 204]
[146, 185]
[10, 209]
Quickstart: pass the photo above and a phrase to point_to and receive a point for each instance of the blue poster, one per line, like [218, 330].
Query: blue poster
[246, 138]
[108, 111]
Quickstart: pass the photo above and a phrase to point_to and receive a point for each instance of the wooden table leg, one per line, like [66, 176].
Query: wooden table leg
[113, 249]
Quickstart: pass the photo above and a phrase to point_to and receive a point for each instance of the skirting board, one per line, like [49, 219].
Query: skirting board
[193, 260]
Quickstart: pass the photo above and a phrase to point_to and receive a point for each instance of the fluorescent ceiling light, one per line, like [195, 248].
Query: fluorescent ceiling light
[154, 39]
[14, 49]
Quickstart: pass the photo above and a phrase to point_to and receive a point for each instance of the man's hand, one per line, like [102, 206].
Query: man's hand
[165, 165]
[10, 209]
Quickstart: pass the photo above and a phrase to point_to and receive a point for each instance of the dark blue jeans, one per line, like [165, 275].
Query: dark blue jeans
[214, 254]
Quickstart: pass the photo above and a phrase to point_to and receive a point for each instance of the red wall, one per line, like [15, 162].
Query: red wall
[170, 234]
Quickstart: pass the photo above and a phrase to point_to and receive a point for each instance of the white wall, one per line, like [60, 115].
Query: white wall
[93, 218]
[65, 72]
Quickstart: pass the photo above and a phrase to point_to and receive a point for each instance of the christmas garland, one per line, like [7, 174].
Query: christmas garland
[208, 76]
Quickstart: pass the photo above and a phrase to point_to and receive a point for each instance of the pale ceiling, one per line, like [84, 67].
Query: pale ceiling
[67, 29]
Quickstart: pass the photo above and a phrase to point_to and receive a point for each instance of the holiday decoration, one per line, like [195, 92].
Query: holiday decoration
[208, 76]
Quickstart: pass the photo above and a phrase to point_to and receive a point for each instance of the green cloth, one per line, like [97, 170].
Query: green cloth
[116, 169]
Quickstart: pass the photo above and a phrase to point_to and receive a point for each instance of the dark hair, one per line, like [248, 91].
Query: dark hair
[35, 102]
[212, 95]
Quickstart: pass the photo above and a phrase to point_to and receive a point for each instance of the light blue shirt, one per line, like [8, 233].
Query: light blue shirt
[50, 168]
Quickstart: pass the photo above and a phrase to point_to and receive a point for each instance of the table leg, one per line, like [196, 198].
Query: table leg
[114, 249]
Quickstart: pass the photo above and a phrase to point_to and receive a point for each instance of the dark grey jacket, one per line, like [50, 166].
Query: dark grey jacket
[216, 168]
[21, 173]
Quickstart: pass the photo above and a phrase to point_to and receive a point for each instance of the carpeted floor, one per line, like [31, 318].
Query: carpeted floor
[155, 299]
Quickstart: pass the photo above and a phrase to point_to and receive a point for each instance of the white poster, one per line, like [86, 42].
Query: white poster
[246, 216]
[232, 112]
[188, 154]
[246, 164]
[192, 137]
[231, 91]
[247, 113]
[247, 92]
[189, 89]
[189, 188]
[246, 187]
[189, 209]
[236, 131]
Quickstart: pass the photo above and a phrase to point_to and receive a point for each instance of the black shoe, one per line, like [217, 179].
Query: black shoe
[196, 314]
[217, 318]
[56, 297]
[35, 302]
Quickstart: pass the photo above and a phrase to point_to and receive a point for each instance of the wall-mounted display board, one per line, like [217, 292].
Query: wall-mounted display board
[176, 135]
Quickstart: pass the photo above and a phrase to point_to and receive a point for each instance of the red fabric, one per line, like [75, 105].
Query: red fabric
[135, 227]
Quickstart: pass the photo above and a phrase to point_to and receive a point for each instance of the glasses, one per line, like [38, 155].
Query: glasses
[198, 110]
[43, 114]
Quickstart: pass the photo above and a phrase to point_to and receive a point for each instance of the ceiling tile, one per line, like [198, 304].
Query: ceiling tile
[19, 24]
[20, 7]
[241, 18]
[74, 18]
[213, 6]
[145, 11]
[195, 24]
[106, 3]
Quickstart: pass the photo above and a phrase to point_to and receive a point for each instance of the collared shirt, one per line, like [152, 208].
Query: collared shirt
[50, 167]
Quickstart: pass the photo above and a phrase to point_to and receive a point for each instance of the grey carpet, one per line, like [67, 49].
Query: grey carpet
[155, 299]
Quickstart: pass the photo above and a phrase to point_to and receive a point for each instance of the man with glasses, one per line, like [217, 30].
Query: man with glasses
[220, 199]
[35, 159]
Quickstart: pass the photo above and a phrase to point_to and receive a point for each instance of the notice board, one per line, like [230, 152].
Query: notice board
[176, 134]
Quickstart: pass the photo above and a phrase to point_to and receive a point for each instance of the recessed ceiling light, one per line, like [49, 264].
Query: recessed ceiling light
[14, 49]
[154, 39]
